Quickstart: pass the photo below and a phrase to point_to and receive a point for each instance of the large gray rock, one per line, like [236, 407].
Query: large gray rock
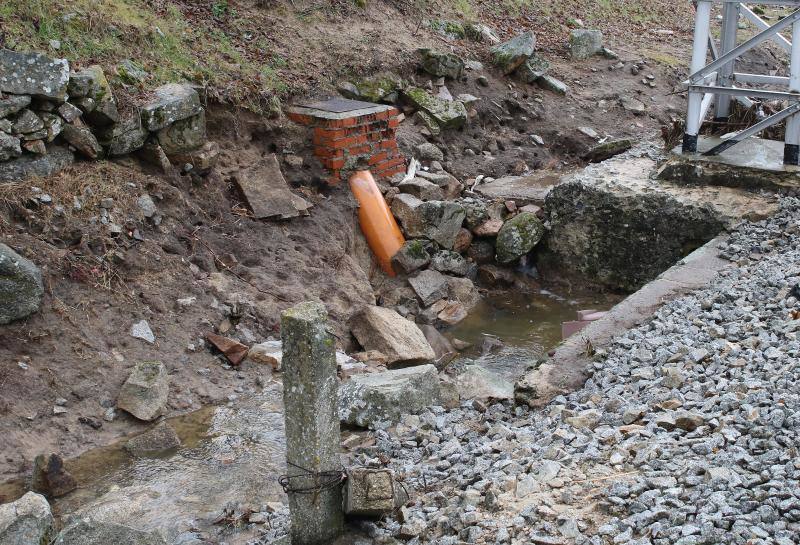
[585, 43]
[553, 85]
[21, 287]
[447, 65]
[184, 135]
[533, 69]
[33, 74]
[9, 147]
[412, 256]
[439, 221]
[94, 532]
[422, 189]
[447, 261]
[447, 114]
[518, 236]
[91, 83]
[27, 122]
[172, 103]
[384, 330]
[28, 166]
[430, 286]
[124, 137]
[27, 521]
[11, 104]
[375, 398]
[509, 55]
[144, 394]
[83, 140]
[477, 382]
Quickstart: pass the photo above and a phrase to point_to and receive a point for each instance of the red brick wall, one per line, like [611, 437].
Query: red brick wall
[340, 143]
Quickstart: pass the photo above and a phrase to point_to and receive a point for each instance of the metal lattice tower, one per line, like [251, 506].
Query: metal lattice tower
[718, 83]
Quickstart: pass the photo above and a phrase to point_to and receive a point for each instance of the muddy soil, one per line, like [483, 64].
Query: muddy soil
[233, 274]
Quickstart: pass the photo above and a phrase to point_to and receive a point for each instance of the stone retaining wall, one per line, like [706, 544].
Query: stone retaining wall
[49, 112]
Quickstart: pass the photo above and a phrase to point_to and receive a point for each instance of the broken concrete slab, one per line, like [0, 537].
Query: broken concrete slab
[375, 399]
[267, 193]
[522, 190]
[384, 330]
[752, 164]
[568, 368]
[614, 224]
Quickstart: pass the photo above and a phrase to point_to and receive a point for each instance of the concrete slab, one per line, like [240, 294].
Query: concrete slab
[523, 190]
[754, 163]
[314, 110]
[617, 226]
[568, 368]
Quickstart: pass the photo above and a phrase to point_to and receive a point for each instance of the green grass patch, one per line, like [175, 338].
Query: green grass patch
[164, 42]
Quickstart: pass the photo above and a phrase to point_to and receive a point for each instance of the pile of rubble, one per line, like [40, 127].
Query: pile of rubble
[48, 112]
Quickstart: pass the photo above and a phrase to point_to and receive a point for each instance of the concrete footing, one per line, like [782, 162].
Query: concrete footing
[752, 164]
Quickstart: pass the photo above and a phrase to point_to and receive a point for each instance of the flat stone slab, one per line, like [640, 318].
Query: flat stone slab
[754, 163]
[267, 192]
[33, 74]
[36, 166]
[340, 109]
[520, 189]
[568, 369]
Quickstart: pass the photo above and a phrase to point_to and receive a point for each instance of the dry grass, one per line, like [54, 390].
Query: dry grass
[90, 182]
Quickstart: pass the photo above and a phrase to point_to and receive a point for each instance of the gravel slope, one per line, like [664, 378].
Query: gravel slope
[685, 434]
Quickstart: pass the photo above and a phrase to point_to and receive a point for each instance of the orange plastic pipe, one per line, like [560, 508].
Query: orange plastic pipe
[377, 222]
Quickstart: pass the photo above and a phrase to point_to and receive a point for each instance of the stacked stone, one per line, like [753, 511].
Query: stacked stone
[47, 113]
[343, 142]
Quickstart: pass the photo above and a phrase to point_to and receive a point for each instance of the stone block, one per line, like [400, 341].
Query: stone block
[369, 492]
[33, 74]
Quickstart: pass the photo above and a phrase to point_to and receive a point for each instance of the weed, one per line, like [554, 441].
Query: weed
[219, 8]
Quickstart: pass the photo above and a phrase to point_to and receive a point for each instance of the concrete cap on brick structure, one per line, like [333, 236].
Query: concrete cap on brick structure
[338, 108]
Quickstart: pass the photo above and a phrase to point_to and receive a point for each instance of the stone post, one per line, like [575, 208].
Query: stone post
[312, 423]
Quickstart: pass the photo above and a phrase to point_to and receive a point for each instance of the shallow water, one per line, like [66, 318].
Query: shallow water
[527, 326]
[235, 453]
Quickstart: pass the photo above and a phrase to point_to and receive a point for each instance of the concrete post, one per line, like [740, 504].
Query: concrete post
[312, 424]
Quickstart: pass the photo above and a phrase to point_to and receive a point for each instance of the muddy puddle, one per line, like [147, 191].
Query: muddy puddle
[510, 332]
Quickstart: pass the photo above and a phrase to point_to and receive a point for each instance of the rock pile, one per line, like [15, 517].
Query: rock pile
[48, 112]
[685, 434]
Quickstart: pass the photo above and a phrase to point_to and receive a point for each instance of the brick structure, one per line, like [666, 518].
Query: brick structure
[347, 133]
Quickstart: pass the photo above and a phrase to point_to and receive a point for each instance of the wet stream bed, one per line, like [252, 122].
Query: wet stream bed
[234, 454]
[511, 332]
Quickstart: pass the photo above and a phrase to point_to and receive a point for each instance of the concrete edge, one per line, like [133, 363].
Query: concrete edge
[568, 369]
